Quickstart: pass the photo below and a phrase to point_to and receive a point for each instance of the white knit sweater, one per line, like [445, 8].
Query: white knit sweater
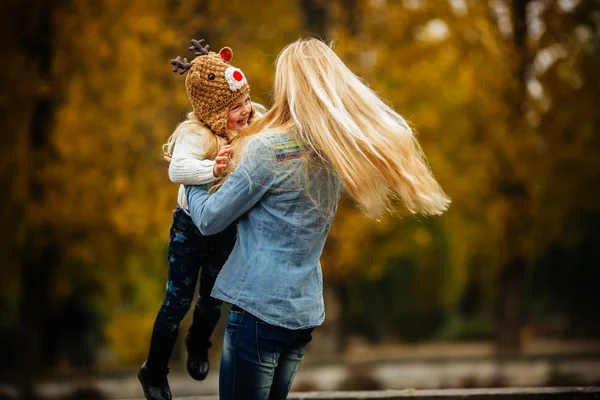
[186, 168]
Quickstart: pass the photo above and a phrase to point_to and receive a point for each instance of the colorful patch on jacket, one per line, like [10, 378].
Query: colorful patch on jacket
[286, 148]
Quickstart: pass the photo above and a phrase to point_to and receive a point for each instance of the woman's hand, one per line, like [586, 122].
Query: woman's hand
[222, 160]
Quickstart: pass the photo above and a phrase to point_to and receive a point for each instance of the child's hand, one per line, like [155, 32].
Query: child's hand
[222, 160]
[167, 158]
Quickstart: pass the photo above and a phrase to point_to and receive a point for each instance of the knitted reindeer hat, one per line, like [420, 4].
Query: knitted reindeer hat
[212, 84]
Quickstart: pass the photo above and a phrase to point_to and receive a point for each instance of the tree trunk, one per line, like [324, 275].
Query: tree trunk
[316, 17]
[511, 299]
[38, 250]
[352, 17]
[202, 8]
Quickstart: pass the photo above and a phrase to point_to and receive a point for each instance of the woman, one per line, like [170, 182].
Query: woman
[326, 131]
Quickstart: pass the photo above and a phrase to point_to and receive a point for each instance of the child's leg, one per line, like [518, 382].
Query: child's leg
[208, 309]
[187, 248]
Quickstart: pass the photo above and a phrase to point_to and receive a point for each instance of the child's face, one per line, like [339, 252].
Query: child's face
[239, 111]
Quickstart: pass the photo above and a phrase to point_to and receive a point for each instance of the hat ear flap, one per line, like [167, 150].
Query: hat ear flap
[218, 123]
[226, 54]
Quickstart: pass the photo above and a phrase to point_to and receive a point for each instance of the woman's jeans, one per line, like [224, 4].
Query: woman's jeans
[259, 360]
[192, 254]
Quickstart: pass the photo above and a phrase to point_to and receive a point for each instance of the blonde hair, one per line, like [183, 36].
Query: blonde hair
[370, 147]
[213, 142]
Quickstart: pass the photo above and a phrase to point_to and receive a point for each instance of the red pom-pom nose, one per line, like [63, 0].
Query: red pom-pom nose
[237, 75]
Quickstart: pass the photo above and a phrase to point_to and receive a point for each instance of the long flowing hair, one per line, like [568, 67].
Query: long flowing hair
[367, 144]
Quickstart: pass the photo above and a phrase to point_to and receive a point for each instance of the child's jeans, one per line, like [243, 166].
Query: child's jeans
[192, 254]
[259, 360]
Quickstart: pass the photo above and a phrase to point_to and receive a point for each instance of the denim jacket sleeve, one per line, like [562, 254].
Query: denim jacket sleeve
[244, 188]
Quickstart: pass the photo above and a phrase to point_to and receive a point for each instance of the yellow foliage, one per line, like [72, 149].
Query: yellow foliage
[126, 333]
[104, 190]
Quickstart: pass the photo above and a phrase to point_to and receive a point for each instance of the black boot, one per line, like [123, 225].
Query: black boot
[154, 383]
[153, 373]
[197, 362]
[197, 342]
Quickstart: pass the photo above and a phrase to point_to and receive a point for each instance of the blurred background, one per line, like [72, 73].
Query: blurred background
[502, 290]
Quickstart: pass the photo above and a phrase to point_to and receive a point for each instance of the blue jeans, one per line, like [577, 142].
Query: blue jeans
[259, 360]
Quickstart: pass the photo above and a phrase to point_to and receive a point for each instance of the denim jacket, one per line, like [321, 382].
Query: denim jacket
[284, 215]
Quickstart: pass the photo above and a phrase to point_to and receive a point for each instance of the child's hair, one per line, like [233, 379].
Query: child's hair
[367, 144]
[191, 125]
[213, 143]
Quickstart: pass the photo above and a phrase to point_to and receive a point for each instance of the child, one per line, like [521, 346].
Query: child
[220, 98]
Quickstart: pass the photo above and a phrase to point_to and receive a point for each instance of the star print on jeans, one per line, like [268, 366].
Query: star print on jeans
[171, 288]
[185, 302]
[187, 281]
[180, 238]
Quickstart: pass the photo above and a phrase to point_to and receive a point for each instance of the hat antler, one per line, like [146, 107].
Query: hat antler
[177, 63]
[184, 65]
[197, 47]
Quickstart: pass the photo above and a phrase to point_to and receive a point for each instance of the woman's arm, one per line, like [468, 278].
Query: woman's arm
[185, 168]
[244, 188]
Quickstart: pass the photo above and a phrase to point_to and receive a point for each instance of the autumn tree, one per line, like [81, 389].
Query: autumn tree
[32, 253]
[501, 94]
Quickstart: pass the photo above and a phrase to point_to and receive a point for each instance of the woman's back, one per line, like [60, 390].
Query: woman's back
[290, 199]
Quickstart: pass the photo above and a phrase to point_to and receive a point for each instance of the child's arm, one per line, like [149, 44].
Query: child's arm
[185, 168]
[252, 178]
